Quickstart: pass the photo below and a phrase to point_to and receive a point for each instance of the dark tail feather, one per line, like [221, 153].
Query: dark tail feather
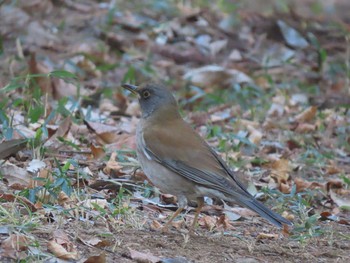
[265, 212]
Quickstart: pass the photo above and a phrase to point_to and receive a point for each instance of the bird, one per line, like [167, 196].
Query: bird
[178, 161]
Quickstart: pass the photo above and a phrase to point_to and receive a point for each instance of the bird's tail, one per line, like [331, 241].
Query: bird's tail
[264, 212]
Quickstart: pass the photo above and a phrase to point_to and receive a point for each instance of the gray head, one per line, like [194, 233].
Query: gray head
[153, 99]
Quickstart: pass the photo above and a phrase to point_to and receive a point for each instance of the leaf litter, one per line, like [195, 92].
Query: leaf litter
[269, 92]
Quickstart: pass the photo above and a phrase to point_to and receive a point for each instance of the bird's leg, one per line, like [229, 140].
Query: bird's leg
[200, 204]
[177, 212]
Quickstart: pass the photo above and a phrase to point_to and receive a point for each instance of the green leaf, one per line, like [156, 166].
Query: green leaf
[62, 74]
[12, 86]
[35, 113]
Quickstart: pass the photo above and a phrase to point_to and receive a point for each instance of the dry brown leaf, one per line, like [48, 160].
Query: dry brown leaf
[61, 252]
[108, 137]
[255, 135]
[208, 221]
[155, 225]
[86, 65]
[305, 127]
[17, 178]
[91, 203]
[61, 131]
[341, 198]
[212, 75]
[288, 216]
[143, 257]
[13, 245]
[168, 199]
[63, 198]
[97, 242]
[284, 188]
[61, 247]
[107, 133]
[244, 212]
[224, 221]
[280, 170]
[302, 185]
[113, 167]
[292, 144]
[307, 115]
[333, 169]
[8, 148]
[189, 54]
[97, 259]
[334, 184]
[97, 152]
[122, 141]
[266, 236]
[177, 224]
[14, 198]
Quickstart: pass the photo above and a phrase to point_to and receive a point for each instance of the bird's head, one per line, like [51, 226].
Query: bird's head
[154, 99]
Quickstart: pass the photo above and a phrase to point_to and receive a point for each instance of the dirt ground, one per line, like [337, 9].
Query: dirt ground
[238, 245]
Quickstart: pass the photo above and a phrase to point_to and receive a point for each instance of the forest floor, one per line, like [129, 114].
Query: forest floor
[268, 86]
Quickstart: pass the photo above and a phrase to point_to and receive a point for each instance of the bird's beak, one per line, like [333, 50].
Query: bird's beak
[131, 88]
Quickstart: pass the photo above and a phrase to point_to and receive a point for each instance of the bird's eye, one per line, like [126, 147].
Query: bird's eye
[146, 94]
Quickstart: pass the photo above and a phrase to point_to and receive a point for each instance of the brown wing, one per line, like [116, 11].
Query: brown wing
[182, 150]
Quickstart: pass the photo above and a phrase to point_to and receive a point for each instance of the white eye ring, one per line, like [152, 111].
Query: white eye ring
[146, 94]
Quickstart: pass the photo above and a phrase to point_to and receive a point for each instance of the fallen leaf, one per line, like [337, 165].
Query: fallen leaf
[8, 148]
[224, 221]
[280, 170]
[61, 247]
[155, 225]
[208, 221]
[235, 55]
[177, 224]
[143, 257]
[113, 168]
[292, 36]
[266, 236]
[213, 75]
[17, 178]
[302, 185]
[14, 244]
[60, 251]
[35, 165]
[189, 54]
[255, 135]
[91, 203]
[97, 242]
[21, 199]
[97, 259]
[97, 152]
[342, 200]
[307, 115]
